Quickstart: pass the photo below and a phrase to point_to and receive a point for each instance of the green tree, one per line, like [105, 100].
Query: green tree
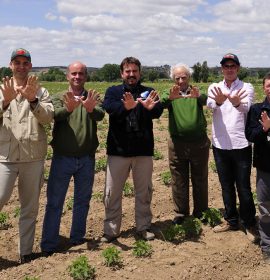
[243, 73]
[5, 72]
[53, 74]
[204, 72]
[109, 72]
[197, 72]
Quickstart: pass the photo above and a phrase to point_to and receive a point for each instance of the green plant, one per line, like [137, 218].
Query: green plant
[80, 269]
[212, 216]
[142, 249]
[49, 153]
[173, 232]
[31, 278]
[69, 204]
[112, 257]
[98, 196]
[4, 217]
[46, 174]
[255, 199]
[192, 227]
[166, 177]
[157, 155]
[16, 212]
[101, 164]
[128, 189]
[212, 166]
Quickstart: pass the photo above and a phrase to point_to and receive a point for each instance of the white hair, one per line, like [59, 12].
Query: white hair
[187, 69]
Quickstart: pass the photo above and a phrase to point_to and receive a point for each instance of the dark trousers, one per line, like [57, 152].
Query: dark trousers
[185, 157]
[263, 195]
[234, 169]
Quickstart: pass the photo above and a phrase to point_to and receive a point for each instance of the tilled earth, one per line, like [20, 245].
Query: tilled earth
[211, 256]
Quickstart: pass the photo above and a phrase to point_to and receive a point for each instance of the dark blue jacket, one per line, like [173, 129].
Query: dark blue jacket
[130, 131]
[261, 139]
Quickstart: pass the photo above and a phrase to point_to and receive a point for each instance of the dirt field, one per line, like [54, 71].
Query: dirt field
[211, 256]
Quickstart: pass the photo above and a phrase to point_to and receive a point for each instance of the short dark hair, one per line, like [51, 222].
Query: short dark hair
[130, 60]
[266, 77]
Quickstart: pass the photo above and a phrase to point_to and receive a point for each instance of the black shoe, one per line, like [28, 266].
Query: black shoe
[178, 220]
[77, 242]
[46, 254]
[107, 238]
[26, 258]
[266, 257]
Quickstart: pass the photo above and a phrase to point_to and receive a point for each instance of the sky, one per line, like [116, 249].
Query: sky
[157, 32]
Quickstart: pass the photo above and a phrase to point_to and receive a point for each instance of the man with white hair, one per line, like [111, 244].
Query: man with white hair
[188, 144]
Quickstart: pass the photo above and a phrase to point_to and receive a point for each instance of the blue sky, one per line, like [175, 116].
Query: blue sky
[158, 32]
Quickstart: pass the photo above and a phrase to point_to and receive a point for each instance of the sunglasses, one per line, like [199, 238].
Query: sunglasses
[229, 66]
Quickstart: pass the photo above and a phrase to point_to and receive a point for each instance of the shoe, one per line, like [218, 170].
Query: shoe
[178, 220]
[47, 254]
[26, 258]
[107, 238]
[225, 226]
[146, 235]
[266, 257]
[77, 242]
[253, 234]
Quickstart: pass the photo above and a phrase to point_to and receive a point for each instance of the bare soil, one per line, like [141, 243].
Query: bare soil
[211, 256]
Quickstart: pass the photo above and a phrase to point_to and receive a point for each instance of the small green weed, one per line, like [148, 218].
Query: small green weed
[49, 153]
[212, 166]
[255, 199]
[142, 249]
[174, 232]
[212, 216]
[17, 212]
[46, 173]
[192, 227]
[31, 278]
[128, 189]
[98, 196]
[166, 177]
[101, 164]
[4, 218]
[112, 257]
[157, 155]
[69, 203]
[80, 269]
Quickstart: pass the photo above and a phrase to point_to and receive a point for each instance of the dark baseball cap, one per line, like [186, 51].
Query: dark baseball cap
[230, 56]
[20, 52]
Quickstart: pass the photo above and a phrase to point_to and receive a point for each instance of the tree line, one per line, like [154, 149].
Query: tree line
[111, 73]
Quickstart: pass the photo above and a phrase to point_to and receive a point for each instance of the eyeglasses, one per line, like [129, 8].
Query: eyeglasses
[229, 66]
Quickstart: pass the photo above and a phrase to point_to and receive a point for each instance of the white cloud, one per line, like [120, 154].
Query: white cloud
[50, 16]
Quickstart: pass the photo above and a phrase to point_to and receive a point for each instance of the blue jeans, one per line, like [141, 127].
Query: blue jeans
[234, 169]
[62, 169]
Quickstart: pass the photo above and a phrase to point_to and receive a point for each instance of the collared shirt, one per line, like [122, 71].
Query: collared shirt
[228, 125]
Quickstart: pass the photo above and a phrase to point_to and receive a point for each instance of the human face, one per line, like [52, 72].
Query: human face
[20, 67]
[230, 70]
[266, 89]
[181, 78]
[131, 74]
[77, 75]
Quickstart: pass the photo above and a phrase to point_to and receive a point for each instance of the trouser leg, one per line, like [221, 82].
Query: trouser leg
[142, 168]
[116, 175]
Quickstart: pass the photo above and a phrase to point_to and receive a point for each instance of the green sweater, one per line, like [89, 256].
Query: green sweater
[75, 133]
[186, 118]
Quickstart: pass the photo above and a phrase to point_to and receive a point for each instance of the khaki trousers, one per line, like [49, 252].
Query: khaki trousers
[30, 180]
[118, 169]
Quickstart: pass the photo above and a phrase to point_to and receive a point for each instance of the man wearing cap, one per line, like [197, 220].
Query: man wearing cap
[230, 101]
[25, 108]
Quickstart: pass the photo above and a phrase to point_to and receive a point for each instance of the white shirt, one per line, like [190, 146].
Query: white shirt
[228, 126]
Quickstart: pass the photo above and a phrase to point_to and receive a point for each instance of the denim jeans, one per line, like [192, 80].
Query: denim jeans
[234, 169]
[62, 169]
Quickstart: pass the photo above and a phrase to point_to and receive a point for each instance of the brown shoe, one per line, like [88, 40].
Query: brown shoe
[225, 226]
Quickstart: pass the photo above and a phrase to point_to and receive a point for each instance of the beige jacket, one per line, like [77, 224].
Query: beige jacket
[22, 133]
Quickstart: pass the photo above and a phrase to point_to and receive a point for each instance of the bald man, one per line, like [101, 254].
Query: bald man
[74, 145]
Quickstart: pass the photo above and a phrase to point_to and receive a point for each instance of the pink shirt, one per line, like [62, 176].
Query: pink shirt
[228, 126]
